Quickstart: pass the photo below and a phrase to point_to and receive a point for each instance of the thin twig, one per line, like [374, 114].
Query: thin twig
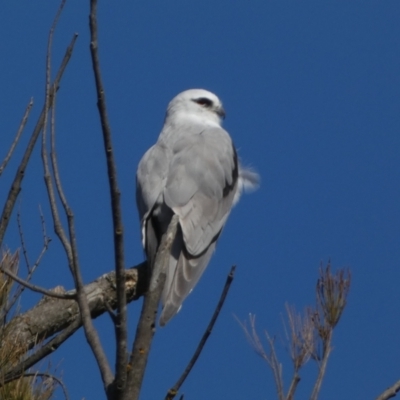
[17, 137]
[121, 318]
[53, 158]
[110, 312]
[276, 366]
[46, 242]
[293, 386]
[147, 323]
[21, 288]
[43, 222]
[271, 358]
[390, 392]
[51, 346]
[37, 289]
[69, 245]
[16, 185]
[302, 338]
[21, 238]
[323, 364]
[174, 390]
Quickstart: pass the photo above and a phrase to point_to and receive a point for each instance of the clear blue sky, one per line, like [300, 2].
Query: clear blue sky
[312, 93]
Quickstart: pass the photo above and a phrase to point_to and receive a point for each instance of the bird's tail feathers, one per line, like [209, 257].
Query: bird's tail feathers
[186, 274]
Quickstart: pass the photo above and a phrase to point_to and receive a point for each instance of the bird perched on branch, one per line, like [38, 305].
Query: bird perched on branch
[192, 171]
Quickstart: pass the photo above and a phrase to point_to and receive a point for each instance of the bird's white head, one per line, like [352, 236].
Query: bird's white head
[197, 104]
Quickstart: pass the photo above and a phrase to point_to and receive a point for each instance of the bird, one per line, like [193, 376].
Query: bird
[192, 171]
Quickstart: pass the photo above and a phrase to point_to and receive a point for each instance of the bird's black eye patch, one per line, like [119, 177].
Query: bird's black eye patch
[203, 101]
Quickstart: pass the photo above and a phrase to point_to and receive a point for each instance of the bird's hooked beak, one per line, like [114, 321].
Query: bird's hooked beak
[221, 112]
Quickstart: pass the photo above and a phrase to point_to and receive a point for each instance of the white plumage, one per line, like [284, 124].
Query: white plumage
[191, 171]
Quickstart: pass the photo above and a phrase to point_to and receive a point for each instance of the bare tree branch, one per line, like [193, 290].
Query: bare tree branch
[118, 230]
[69, 244]
[276, 366]
[174, 390]
[22, 240]
[293, 386]
[302, 339]
[51, 346]
[35, 288]
[147, 323]
[17, 137]
[390, 392]
[271, 358]
[51, 315]
[16, 185]
[47, 174]
[323, 364]
[53, 158]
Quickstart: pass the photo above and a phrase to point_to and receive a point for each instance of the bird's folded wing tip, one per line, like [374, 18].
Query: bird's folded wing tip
[249, 179]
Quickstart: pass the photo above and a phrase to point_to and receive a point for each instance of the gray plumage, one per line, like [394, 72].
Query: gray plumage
[191, 171]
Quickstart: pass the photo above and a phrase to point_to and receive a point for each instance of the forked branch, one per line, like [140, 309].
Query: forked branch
[16, 185]
[36, 288]
[69, 241]
[51, 316]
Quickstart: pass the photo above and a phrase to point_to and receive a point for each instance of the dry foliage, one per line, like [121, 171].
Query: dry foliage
[308, 335]
[30, 385]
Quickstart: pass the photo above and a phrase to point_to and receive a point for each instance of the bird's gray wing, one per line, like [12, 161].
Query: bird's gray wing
[150, 181]
[200, 188]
